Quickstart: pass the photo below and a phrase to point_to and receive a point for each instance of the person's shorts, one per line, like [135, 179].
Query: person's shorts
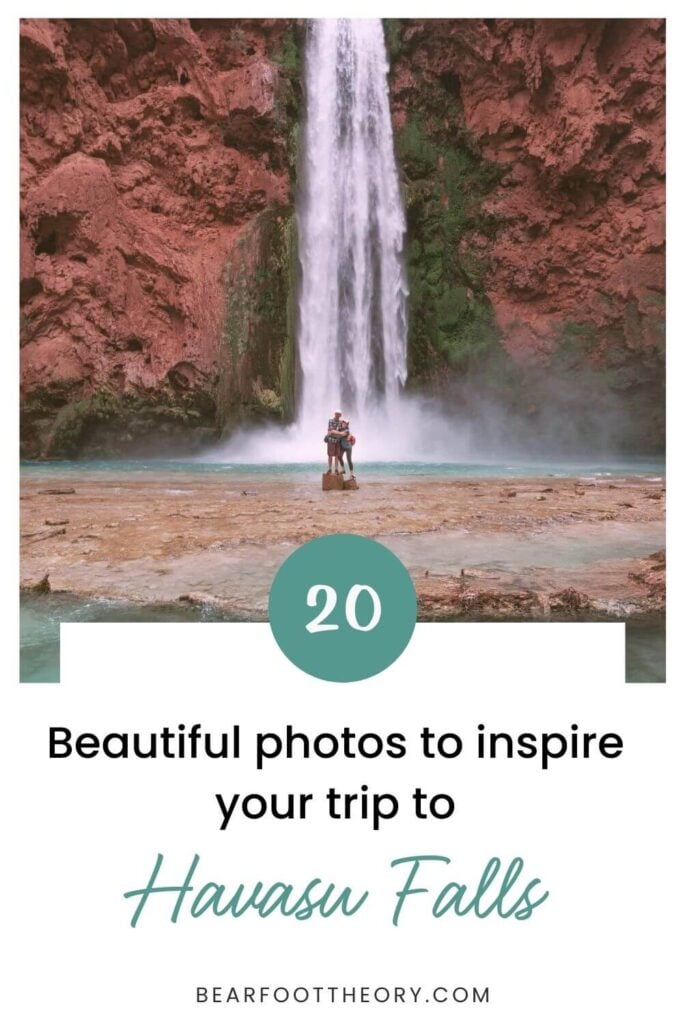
[333, 448]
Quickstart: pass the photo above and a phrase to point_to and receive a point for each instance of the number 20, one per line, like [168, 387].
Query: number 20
[317, 624]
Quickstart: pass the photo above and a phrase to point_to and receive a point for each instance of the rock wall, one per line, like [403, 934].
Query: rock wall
[150, 150]
[533, 161]
[158, 257]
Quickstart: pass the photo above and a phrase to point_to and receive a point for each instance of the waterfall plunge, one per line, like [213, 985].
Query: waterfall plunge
[351, 224]
[352, 343]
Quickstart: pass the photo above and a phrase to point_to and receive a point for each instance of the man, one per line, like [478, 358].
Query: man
[334, 432]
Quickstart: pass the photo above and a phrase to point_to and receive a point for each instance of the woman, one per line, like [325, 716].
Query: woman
[346, 441]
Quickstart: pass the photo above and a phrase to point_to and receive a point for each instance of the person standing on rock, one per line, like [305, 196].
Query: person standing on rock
[332, 440]
[346, 442]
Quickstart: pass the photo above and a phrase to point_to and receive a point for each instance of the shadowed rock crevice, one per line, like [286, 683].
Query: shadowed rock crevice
[532, 154]
[155, 151]
[132, 206]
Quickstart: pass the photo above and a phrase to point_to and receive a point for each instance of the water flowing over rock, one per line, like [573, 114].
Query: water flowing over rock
[352, 333]
[159, 253]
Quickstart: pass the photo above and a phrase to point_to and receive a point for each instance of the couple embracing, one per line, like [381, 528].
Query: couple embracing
[339, 441]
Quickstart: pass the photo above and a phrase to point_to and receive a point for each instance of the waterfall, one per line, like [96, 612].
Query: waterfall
[351, 225]
[352, 330]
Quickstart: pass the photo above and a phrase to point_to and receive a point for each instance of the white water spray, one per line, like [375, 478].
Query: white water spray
[352, 299]
[352, 337]
[351, 224]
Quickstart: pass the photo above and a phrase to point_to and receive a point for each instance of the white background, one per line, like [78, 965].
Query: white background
[602, 835]
[597, 833]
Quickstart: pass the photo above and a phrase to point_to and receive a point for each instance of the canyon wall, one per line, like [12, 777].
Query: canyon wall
[158, 258]
[157, 163]
[533, 162]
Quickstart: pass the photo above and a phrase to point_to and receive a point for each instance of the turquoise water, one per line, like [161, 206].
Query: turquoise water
[42, 614]
[646, 651]
[639, 466]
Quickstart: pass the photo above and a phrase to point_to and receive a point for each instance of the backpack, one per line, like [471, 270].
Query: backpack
[352, 439]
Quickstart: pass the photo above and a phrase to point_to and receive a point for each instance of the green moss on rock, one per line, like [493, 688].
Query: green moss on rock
[393, 36]
[108, 423]
[288, 58]
[288, 54]
[446, 183]
[257, 348]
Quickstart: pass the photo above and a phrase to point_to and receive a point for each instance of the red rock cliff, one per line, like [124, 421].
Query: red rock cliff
[556, 217]
[149, 149]
[157, 238]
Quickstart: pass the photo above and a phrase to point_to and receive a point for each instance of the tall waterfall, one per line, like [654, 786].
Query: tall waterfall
[352, 298]
[351, 224]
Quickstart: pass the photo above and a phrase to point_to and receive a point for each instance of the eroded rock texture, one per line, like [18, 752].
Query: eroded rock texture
[533, 154]
[151, 150]
[158, 261]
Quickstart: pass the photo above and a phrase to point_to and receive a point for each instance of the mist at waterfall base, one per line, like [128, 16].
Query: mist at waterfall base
[400, 436]
[352, 344]
[567, 429]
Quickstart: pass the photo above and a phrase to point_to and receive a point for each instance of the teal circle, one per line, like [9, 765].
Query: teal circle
[342, 561]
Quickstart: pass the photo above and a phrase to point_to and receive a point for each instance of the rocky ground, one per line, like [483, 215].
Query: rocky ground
[543, 547]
